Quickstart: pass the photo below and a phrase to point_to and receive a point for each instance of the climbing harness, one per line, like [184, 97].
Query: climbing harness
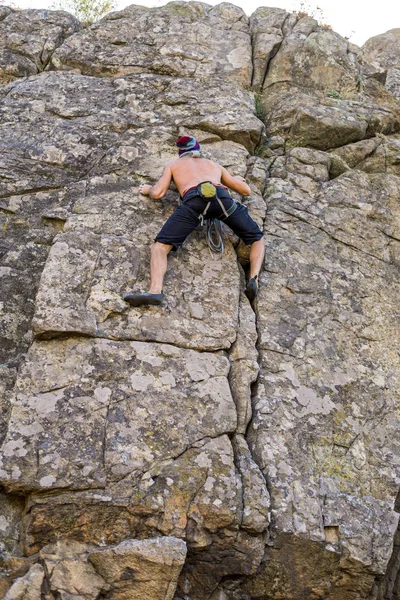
[208, 191]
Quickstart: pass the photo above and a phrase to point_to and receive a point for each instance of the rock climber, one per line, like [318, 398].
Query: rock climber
[203, 186]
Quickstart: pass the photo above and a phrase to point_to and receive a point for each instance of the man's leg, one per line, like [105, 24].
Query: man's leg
[172, 235]
[257, 253]
[158, 266]
[248, 230]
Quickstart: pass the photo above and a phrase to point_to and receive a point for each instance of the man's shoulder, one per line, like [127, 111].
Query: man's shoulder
[180, 162]
[172, 162]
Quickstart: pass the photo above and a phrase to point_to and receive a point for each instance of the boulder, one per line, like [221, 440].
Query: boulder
[69, 574]
[326, 124]
[197, 40]
[311, 58]
[146, 569]
[27, 587]
[28, 38]
[383, 52]
[96, 427]
[383, 49]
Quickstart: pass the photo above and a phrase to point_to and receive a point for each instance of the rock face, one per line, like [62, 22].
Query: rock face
[383, 52]
[208, 448]
[28, 39]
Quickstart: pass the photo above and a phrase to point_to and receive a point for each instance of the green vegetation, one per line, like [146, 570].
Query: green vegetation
[306, 9]
[334, 94]
[87, 11]
[259, 106]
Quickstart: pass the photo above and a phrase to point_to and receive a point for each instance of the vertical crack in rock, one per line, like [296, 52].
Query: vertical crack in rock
[274, 52]
[333, 527]
[243, 374]
[266, 39]
[12, 563]
[387, 587]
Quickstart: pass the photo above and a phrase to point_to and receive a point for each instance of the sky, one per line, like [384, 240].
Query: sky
[357, 20]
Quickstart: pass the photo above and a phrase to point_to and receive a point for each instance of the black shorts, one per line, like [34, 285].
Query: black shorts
[186, 218]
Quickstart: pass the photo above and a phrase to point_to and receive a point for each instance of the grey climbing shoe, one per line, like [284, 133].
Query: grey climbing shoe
[251, 290]
[144, 299]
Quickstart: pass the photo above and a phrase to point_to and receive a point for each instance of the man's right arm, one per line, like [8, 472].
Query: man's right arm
[237, 184]
[159, 189]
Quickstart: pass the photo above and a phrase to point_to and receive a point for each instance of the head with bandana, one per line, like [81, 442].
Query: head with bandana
[186, 144]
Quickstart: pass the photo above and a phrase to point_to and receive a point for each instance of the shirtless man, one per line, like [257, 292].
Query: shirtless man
[188, 172]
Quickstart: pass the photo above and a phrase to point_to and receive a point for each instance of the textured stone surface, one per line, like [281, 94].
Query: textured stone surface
[267, 29]
[133, 569]
[294, 564]
[321, 432]
[309, 57]
[167, 497]
[12, 563]
[383, 52]
[28, 39]
[376, 155]
[263, 437]
[245, 368]
[96, 425]
[147, 569]
[393, 82]
[325, 124]
[383, 49]
[7, 380]
[70, 575]
[67, 126]
[335, 102]
[196, 40]
[29, 586]
[29, 223]
[256, 500]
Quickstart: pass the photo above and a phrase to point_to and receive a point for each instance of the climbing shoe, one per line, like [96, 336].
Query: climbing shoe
[252, 288]
[144, 299]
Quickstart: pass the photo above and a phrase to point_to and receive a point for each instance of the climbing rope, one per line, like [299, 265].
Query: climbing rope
[214, 236]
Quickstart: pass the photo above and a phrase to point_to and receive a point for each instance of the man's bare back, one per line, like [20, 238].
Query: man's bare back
[188, 172]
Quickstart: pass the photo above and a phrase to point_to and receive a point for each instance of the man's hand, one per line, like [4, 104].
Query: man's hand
[159, 189]
[145, 189]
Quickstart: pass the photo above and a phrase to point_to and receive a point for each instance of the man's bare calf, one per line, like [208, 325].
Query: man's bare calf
[257, 253]
[158, 266]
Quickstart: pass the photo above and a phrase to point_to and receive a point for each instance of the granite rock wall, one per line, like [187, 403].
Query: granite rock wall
[209, 449]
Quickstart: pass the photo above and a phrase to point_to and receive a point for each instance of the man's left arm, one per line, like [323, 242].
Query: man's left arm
[159, 189]
[236, 183]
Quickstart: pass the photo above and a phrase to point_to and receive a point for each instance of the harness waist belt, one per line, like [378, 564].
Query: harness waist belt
[193, 187]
